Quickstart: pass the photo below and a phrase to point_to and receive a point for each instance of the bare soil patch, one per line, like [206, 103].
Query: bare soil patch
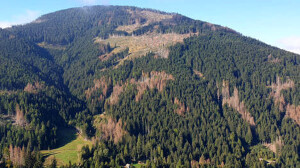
[141, 45]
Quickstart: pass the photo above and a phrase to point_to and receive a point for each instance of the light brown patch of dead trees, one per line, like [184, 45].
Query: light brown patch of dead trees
[101, 83]
[211, 26]
[234, 102]
[194, 164]
[291, 111]
[117, 91]
[34, 87]
[181, 109]
[152, 80]
[111, 130]
[271, 59]
[199, 73]
[274, 146]
[20, 119]
[202, 162]
[276, 92]
[17, 156]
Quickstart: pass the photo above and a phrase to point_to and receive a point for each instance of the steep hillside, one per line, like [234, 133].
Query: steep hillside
[24, 62]
[33, 99]
[147, 87]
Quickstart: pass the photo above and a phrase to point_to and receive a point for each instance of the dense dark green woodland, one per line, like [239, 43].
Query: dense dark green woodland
[47, 67]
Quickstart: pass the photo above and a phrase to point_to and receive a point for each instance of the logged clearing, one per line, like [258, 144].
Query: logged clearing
[70, 149]
[150, 17]
[141, 45]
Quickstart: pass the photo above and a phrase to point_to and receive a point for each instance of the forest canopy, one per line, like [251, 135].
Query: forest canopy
[146, 88]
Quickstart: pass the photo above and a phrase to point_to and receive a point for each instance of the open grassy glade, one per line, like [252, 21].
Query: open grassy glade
[70, 144]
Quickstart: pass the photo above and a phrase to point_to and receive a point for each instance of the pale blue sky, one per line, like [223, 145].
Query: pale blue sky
[276, 22]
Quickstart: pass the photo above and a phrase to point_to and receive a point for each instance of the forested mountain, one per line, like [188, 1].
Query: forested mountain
[146, 88]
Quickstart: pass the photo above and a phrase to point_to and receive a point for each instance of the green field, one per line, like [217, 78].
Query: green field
[70, 143]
